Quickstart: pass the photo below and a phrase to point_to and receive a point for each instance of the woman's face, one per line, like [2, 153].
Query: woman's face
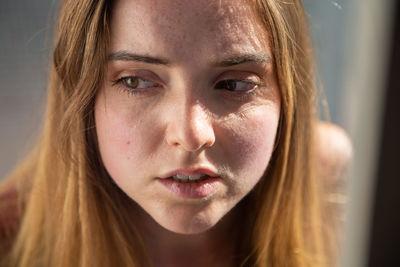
[188, 112]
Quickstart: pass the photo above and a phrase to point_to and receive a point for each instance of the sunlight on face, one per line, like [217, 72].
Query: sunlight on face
[190, 94]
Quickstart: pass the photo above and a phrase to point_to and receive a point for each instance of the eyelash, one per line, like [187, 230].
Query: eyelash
[238, 94]
[242, 96]
[247, 82]
[123, 80]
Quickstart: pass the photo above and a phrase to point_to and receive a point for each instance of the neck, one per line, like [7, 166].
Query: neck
[217, 246]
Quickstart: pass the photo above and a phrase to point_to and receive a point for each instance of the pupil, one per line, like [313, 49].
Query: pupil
[230, 85]
[227, 84]
[132, 82]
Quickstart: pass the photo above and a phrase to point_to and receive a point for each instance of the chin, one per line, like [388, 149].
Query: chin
[187, 221]
[188, 228]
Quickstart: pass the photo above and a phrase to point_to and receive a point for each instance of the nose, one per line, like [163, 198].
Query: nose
[190, 127]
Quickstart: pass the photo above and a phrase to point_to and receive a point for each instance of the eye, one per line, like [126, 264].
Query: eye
[133, 82]
[236, 85]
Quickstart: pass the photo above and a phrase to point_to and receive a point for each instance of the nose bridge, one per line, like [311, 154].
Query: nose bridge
[190, 127]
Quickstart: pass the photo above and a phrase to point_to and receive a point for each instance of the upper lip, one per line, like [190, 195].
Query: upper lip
[190, 171]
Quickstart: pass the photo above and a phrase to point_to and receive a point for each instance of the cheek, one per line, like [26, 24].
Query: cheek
[122, 141]
[251, 142]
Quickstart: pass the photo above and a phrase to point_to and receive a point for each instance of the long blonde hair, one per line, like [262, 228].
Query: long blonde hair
[75, 216]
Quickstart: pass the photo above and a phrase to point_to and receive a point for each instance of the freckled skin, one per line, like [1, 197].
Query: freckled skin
[186, 121]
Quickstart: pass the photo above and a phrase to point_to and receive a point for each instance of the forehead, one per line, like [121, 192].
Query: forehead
[181, 29]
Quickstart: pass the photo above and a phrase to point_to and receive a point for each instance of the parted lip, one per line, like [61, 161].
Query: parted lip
[190, 171]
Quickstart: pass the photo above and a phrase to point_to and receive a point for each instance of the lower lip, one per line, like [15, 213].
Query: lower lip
[200, 189]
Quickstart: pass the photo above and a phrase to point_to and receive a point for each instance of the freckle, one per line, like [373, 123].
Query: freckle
[128, 143]
[128, 158]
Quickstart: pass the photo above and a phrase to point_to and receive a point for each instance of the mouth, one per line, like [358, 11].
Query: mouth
[189, 178]
[192, 184]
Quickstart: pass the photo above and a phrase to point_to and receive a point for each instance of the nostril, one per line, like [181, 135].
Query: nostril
[190, 138]
[190, 128]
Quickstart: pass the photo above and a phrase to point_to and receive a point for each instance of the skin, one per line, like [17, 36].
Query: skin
[180, 118]
[334, 153]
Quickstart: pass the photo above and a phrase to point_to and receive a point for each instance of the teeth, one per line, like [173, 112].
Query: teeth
[188, 178]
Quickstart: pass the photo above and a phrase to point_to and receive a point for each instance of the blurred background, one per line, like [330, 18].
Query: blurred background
[26, 29]
[355, 43]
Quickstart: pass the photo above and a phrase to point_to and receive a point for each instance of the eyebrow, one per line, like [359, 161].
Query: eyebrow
[126, 56]
[231, 61]
[246, 58]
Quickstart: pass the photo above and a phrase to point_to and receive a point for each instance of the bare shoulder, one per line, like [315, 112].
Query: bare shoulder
[334, 152]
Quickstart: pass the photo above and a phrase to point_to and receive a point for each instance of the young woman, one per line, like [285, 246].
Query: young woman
[177, 133]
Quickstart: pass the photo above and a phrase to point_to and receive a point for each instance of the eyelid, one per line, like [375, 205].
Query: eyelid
[246, 83]
[123, 78]
[138, 73]
[142, 88]
[257, 82]
[244, 76]
[122, 82]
